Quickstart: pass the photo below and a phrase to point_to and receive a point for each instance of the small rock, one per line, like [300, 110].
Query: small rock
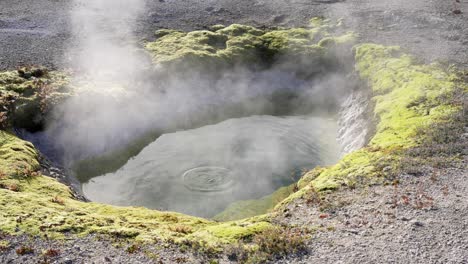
[352, 231]
[417, 223]
[387, 169]
[323, 216]
[279, 19]
[221, 10]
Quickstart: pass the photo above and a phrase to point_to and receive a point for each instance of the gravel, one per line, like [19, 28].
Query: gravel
[423, 219]
[91, 249]
[38, 32]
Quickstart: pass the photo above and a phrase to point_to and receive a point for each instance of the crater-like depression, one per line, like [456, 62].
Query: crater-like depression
[201, 171]
[198, 143]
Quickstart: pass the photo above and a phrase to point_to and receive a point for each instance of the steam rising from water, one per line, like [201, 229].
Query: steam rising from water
[104, 48]
[119, 100]
[203, 170]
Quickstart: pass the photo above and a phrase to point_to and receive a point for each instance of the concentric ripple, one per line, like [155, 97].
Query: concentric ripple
[208, 179]
[201, 171]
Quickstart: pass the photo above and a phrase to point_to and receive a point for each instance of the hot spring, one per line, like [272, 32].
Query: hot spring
[240, 136]
[196, 121]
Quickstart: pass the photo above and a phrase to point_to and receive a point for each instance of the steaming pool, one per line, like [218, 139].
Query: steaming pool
[201, 171]
[243, 141]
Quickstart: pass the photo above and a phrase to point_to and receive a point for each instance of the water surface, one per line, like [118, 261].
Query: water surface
[201, 171]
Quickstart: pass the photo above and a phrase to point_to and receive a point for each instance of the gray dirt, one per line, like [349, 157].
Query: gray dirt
[91, 249]
[422, 220]
[38, 32]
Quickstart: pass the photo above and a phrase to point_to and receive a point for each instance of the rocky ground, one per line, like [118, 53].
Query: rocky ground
[92, 249]
[422, 219]
[38, 32]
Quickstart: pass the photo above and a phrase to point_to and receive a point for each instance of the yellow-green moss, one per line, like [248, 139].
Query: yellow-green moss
[225, 46]
[348, 38]
[41, 205]
[217, 27]
[4, 244]
[34, 210]
[408, 97]
[32, 95]
[249, 208]
[239, 30]
[16, 154]
[318, 21]
[13, 81]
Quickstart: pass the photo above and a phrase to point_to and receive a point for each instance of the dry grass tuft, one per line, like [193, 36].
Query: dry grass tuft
[58, 200]
[51, 253]
[182, 229]
[23, 250]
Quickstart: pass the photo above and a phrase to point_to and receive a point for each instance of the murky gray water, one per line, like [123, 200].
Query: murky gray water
[201, 171]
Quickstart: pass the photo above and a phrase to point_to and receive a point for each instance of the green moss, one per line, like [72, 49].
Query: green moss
[318, 21]
[407, 95]
[16, 154]
[33, 211]
[194, 48]
[4, 245]
[348, 38]
[240, 44]
[35, 91]
[41, 205]
[249, 208]
[163, 32]
[14, 81]
[229, 232]
[408, 98]
[217, 27]
[298, 39]
[235, 30]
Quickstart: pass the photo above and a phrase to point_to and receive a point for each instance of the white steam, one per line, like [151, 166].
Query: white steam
[104, 45]
[119, 99]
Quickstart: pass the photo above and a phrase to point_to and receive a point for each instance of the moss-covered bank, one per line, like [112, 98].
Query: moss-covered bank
[29, 94]
[408, 98]
[306, 50]
[39, 205]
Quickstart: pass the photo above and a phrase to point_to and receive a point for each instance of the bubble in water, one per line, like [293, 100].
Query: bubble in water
[208, 179]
